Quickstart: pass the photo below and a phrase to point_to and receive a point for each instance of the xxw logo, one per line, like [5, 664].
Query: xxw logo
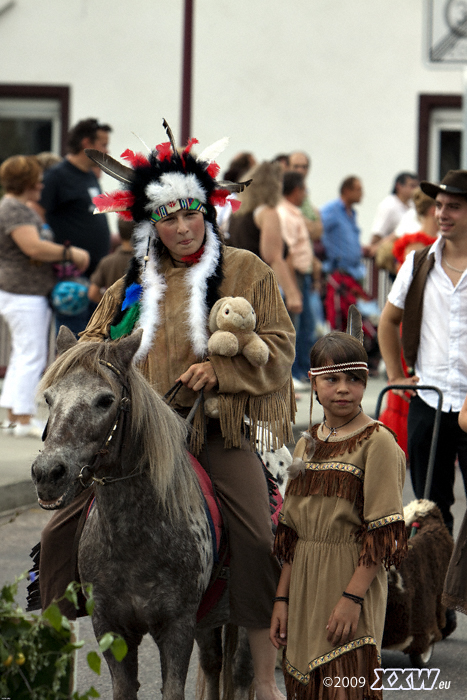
[405, 678]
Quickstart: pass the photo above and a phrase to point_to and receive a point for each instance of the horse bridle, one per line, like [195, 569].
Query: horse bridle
[123, 407]
[86, 476]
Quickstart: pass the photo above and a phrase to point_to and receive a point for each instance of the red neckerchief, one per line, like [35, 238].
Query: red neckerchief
[194, 257]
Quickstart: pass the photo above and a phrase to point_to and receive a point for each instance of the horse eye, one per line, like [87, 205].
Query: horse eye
[105, 401]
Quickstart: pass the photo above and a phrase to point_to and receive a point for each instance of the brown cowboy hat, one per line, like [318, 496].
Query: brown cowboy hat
[454, 182]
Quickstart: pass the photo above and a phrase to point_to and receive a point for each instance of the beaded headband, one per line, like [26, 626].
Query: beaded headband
[187, 204]
[343, 367]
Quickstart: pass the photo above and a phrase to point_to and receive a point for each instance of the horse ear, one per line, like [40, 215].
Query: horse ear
[65, 340]
[126, 347]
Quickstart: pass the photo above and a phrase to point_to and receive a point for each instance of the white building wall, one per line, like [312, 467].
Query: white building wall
[337, 78]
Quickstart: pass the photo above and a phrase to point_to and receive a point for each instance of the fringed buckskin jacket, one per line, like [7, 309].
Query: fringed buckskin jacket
[263, 394]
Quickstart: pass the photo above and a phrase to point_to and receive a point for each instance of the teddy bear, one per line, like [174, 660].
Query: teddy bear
[232, 322]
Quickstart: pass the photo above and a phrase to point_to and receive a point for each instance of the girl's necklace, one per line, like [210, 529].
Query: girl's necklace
[333, 431]
[451, 267]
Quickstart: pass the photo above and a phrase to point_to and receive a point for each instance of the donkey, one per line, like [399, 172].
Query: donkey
[146, 545]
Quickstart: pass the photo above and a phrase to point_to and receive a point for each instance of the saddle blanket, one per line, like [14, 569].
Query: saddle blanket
[218, 583]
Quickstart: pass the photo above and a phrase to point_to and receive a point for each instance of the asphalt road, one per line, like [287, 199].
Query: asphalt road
[21, 530]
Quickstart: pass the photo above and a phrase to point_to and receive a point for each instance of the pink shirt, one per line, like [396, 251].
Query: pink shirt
[295, 235]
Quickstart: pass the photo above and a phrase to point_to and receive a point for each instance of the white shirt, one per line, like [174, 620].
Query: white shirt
[442, 353]
[388, 215]
[409, 223]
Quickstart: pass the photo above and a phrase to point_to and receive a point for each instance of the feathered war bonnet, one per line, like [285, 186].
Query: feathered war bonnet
[156, 185]
[347, 354]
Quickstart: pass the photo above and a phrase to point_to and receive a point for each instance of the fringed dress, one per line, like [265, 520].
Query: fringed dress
[344, 509]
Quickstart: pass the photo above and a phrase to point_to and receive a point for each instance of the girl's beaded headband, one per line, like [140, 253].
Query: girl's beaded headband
[343, 367]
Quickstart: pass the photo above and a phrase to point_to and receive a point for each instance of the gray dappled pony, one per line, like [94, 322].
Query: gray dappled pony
[146, 545]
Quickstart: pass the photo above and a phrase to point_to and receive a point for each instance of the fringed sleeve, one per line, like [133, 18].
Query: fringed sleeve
[383, 532]
[264, 394]
[385, 541]
[285, 541]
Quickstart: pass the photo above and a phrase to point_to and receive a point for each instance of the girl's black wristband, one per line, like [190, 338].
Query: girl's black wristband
[356, 598]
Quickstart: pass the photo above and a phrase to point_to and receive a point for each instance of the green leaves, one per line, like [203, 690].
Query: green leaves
[94, 662]
[53, 615]
[115, 643]
[36, 651]
[117, 646]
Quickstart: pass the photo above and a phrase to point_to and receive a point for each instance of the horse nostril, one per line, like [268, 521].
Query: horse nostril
[57, 472]
[36, 473]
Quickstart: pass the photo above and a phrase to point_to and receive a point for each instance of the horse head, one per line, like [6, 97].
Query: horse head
[85, 390]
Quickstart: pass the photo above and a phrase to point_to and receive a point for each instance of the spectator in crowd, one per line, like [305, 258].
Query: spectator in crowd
[46, 160]
[236, 172]
[391, 210]
[299, 162]
[345, 268]
[392, 256]
[67, 197]
[114, 265]
[283, 160]
[256, 227]
[341, 233]
[429, 298]
[26, 278]
[239, 166]
[397, 407]
[300, 258]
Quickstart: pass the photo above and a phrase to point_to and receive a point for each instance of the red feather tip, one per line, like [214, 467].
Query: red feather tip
[125, 215]
[114, 201]
[218, 198]
[191, 142]
[136, 159]
[235, 204]
[213, 170]
[164, 151]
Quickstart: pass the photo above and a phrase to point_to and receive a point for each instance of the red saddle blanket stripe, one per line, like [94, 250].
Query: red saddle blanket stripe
[208, 493]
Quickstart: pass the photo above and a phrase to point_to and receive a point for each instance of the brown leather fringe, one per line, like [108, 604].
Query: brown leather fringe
[274, 412]
[387, 544]
[284, 543]
[262, 295]
[352, 664]
[330, 450]
[271, 411]
[331, 482]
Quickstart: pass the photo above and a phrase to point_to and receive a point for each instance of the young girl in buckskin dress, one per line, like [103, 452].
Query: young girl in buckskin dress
[340, 527]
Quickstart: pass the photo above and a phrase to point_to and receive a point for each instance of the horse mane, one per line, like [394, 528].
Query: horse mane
[159, 433]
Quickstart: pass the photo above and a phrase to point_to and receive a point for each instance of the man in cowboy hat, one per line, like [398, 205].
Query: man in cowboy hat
[429, 297]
